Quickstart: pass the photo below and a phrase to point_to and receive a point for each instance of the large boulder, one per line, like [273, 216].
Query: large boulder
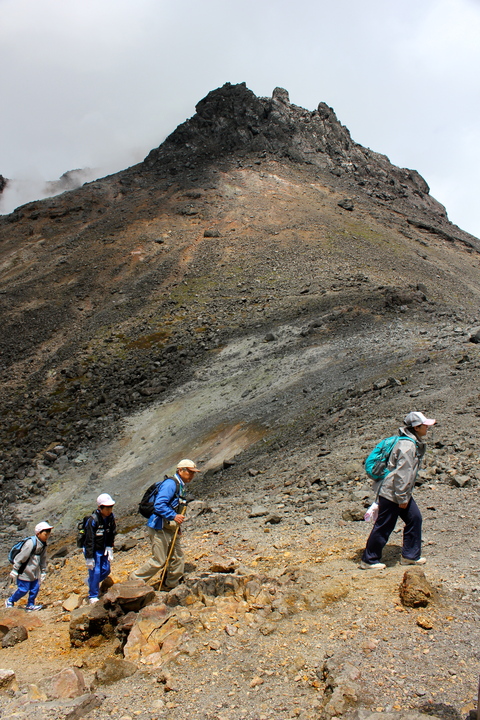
[69, 683]
[11, 617]
[155, 637]
[88, 621]
[130, 596]
[14, 636]
[415, 590]
[123, 543]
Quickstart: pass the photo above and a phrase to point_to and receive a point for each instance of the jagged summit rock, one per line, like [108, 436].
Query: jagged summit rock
[232, 119]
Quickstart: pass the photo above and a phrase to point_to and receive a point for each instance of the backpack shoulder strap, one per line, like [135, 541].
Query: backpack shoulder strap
[92, 519]
[177, 489]
[33, 538]
[414, 441]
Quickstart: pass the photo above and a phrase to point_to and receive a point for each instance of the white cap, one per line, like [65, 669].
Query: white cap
[105, 499]
[414, 419]
[187, 465]
[42, 526]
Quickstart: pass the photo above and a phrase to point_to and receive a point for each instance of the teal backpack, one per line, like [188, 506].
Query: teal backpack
[377, 462]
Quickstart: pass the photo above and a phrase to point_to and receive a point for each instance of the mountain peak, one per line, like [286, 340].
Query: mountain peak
[232, 119]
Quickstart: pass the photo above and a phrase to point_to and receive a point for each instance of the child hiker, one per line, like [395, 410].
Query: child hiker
[30, 567]
[100, 533]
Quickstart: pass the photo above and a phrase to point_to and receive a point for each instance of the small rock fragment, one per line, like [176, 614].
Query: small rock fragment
[258, 511]
[424, 622]
[114, 669]
[72, 602]
[7, 680]
[256, 681]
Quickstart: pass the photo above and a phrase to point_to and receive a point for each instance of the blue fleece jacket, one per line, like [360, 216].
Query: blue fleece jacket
[166, 502]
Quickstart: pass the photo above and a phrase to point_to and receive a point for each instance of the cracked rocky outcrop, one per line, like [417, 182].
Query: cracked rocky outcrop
[233, 120]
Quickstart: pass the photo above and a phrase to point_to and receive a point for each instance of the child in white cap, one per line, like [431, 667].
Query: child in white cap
[30, 567]
[100, 531]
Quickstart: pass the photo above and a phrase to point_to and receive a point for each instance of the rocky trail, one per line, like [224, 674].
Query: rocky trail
[294, 628]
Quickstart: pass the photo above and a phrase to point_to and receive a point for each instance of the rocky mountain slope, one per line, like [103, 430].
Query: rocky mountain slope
[270, 298]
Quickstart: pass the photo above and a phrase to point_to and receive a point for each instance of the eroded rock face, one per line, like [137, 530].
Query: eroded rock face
[151, 630]
[88, 621]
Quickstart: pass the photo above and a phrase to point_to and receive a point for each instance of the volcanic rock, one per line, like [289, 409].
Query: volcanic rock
[415, 590]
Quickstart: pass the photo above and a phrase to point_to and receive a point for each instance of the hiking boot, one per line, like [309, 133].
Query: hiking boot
[407, 561]
[33, 608]
[8, 603]
[371, 566]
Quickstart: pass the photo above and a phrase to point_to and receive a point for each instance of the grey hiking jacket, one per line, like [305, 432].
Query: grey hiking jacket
[37, 562]
[404, 463]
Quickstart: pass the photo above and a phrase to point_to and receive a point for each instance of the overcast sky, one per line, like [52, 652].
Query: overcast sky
[99, 83]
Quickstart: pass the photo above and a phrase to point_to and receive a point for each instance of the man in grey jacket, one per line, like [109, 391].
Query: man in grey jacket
[395, 496]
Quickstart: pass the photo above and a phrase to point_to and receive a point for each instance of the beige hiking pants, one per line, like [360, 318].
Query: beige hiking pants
[160, 541]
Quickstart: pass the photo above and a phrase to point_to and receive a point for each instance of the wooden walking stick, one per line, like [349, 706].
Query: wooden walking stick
[181, 511]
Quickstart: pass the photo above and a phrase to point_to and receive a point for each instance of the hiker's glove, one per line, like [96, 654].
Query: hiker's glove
[109, 554]
[43, 575]
[14, 574]
[90, 562]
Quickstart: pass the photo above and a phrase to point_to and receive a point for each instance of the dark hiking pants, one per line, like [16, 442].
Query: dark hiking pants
[388, 514]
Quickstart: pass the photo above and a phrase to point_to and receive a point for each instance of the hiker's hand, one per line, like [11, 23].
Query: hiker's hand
[43, 575]
[403, 505]
[90, 563]
[13, 574]
[179, 519]
[109, 554]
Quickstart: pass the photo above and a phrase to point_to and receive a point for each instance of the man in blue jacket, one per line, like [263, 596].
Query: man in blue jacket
[163, 523]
